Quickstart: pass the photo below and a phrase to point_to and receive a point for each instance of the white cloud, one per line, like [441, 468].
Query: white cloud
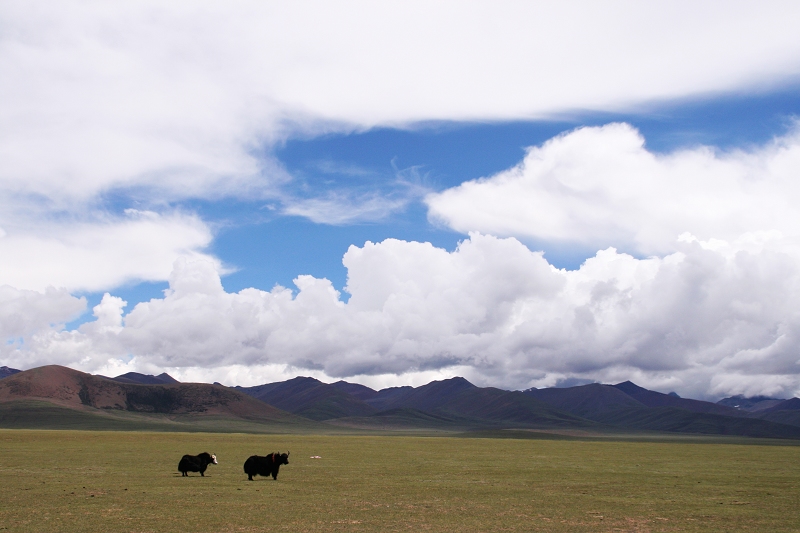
[339, 209]
[182, 97]
[367, 199]
[99, 255]
[108, 314]
[600, 187]
[23, 312]
[697, 320]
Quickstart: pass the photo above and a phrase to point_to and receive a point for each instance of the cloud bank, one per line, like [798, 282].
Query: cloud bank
[703, 319]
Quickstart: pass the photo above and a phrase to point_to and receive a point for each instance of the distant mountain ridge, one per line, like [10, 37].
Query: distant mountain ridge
[751, 404]
[428, 397]
[589, 401]
[145, 379]
[456, 402]
[355, 390]
[792, 404]
[6, 371]
[658, 399]
[643, 409]
[452, 404]
[310, 398]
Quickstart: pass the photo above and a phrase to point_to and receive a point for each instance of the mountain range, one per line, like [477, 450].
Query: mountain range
[27, 399]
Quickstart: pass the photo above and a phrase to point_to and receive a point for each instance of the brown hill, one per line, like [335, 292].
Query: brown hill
[73, 389]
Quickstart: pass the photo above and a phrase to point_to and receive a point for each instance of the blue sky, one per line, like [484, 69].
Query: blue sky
[525, 195]
[265, 248]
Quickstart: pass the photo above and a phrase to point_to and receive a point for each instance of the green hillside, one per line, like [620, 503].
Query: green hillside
[38, 414]
[678, 420]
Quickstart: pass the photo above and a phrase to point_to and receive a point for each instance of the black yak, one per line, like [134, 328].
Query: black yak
[265, 466]
[196, 463]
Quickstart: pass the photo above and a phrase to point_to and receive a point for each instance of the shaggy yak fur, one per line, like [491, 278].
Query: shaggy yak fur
[265, 466]
[196, 463]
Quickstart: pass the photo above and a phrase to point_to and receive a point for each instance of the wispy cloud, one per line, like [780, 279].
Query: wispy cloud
[373, 197]
[339, 168]
[338, 208]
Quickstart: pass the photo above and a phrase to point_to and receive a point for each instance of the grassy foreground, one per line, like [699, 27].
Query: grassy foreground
[70, 481]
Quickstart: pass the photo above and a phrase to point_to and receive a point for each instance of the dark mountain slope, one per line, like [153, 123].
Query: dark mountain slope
[630, 407]
[425, 398]
[469, 408]
[6, 371]
[386, 399]
[145, 379]
[789, 416]
[792, 404]
[310, 398]
[355, 390]
[588, 401]
[448, 403]
[507, 408]
[286, 388]
[751, 404]
[785, 412]
[658, 399]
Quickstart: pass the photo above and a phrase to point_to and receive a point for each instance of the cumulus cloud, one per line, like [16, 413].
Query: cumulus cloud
[700, 319]
[600, 186]
[23, 312]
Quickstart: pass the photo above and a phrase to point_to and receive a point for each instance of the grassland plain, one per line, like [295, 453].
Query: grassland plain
[85, 481]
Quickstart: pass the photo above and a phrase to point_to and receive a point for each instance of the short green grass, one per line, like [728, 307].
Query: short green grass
[71, 481]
